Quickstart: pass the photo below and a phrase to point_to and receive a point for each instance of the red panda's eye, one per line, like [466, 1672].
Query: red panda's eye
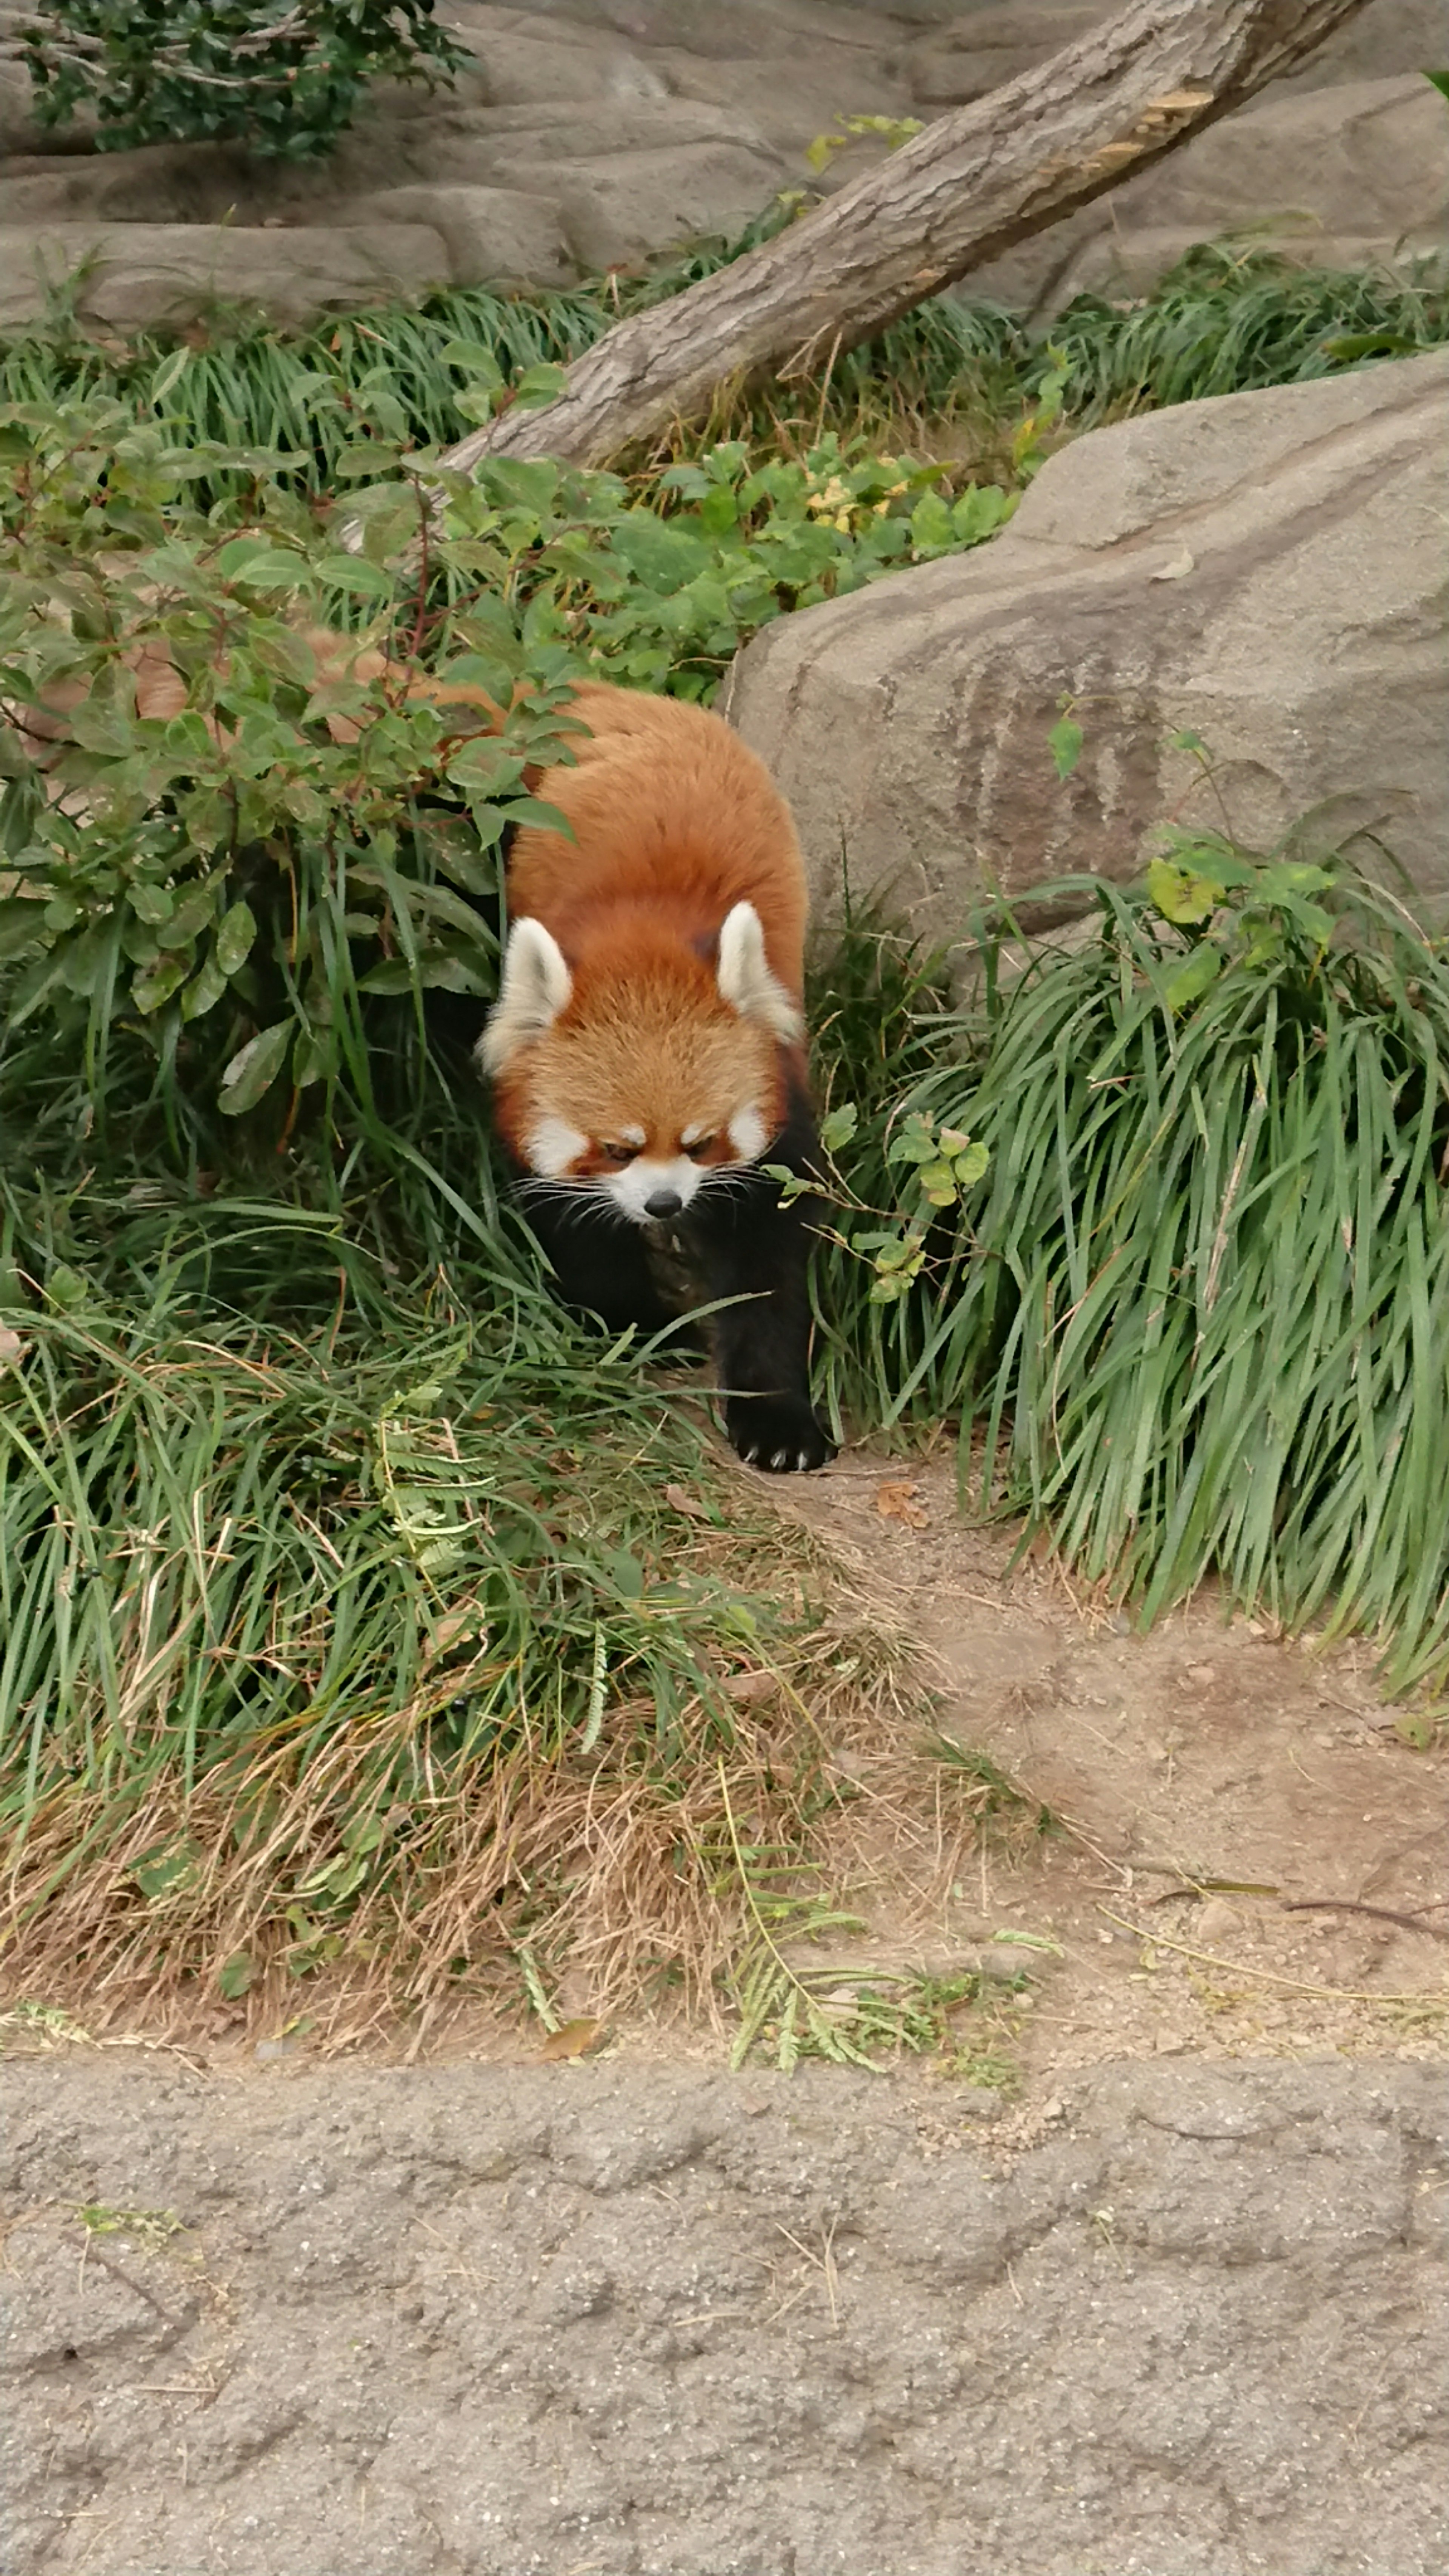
[620, 1154]
[702, 1144]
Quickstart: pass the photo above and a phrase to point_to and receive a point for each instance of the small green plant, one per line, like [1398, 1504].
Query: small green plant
[938, 1163]
[892, 131]
[147, 2227]
[285, 80]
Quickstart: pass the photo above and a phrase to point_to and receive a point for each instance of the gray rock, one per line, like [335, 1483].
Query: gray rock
[616, 212]
[142, 276]
[492, 235]
[1358, 173]
[981, 51]
[1266, 570]
[518, 69]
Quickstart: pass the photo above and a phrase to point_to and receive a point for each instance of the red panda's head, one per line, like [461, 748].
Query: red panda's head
[645, 1072]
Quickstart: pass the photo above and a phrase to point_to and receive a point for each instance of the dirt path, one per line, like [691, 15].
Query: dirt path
[613, 2321]
[1257, 1853]
[1179, 2306]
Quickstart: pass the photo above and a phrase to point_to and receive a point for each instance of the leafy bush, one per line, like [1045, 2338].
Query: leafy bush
[226, 827]
[284, 80]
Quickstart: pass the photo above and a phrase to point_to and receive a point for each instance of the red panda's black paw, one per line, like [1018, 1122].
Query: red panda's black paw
[783, 1439]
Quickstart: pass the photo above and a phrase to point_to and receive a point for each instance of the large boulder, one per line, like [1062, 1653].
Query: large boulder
[1268, 571]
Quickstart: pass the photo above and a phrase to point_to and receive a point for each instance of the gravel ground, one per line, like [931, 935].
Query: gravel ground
[625, 2320]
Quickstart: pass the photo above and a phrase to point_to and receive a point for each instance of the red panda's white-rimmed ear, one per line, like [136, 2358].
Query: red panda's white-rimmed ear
[745, 980]
[536, 986]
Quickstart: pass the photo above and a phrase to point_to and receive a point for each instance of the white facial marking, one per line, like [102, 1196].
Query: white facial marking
[690, 1135]
[645, 1180]
[745, 979]
[748, 1134]
[631, 1136]
[536, 986]
[553, 1146]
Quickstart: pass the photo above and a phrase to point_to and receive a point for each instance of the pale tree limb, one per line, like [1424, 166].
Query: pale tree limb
[962, 191]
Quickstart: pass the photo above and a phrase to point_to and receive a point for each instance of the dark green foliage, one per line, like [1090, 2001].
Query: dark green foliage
[284, 80]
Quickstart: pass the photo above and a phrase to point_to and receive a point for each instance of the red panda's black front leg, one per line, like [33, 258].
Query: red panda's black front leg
[749, 1246]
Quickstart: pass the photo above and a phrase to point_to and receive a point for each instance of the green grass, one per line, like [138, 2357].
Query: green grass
[1195, 1318]
[1225, 320]
[370, 1635]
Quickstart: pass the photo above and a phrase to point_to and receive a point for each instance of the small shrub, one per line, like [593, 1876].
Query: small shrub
[227, 828]
[284, 80]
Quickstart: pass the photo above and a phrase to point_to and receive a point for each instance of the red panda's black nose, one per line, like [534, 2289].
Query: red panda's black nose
[663, 1203]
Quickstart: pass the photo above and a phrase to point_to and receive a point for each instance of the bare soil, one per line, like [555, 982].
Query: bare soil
[1173, 2306]
[1249, 1852]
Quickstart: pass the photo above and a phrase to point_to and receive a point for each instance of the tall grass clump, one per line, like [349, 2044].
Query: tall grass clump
[954, 378]
[1229, 319]
[1193, 1315]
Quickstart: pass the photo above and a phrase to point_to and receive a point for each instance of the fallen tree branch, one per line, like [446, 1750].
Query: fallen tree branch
[964, 190]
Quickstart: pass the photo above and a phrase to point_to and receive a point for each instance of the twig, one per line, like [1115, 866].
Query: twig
[1270, 1976]
[1351, 1905]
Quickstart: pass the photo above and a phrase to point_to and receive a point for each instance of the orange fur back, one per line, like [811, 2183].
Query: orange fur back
[675, 821]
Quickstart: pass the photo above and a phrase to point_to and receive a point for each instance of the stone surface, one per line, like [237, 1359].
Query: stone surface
[649, 2321]
[491, 235]
[1268, 570]
[142, 276]
[1357, 173]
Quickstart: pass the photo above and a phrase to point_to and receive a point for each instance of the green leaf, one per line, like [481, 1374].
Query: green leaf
[168, 376]
[158, 983]
[191, 917]
[1181, 894]
[150, 902]
[659, 553]
[161, 1872]
[254, 1069]
[235, 1975]
[355, 574]
[204, 991]
[838, 1126]
[472, 359]
[259, 566]
[68, 1289]
[1199, 969]
[235, 934]
[21, 925]
[539, 385]
[1064, 742]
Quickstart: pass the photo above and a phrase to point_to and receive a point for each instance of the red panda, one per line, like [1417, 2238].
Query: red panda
[647, 1048]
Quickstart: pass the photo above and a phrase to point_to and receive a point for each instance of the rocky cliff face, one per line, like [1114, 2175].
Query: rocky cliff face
[595, 133]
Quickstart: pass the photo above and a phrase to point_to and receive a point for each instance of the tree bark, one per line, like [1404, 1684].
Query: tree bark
[965, 189]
